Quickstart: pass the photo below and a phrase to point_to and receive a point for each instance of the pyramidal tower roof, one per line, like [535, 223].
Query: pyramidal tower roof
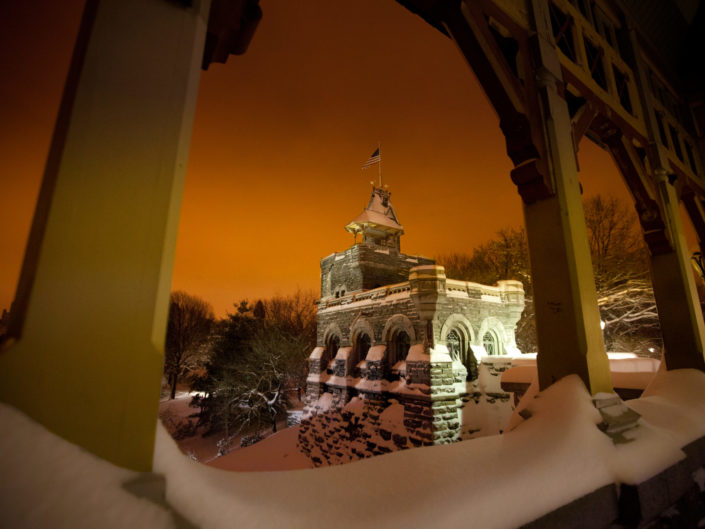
[378, 222]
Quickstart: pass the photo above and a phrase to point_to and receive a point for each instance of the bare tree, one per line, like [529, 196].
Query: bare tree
[628, 310]
[189, 324]
[624, 292]
[504, 257]
[617, 249]
[265, 375]
[620, 264]
[295, 319]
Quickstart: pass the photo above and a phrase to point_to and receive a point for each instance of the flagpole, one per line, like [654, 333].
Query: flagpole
[379, 164]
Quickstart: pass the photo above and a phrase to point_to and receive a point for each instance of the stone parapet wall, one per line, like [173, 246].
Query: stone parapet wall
[673, 498]
[418, 372]
[364, 267]
[446, 421]
[293, 418]
[409, 417]
[344, 313]
[419, 420]
[484, 308]
[358, 431]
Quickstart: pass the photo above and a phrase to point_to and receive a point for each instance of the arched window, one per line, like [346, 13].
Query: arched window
[332, 346]
[360, 348]
[490, 342]
[459, 350]
[362, 345]
[398, 347]
[455, 345]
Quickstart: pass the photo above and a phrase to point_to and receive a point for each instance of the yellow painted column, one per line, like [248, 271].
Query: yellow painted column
[567, 315]
[677, 301]
[90, 312]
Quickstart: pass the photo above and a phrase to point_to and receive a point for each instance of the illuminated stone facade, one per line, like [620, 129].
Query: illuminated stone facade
[392, 327]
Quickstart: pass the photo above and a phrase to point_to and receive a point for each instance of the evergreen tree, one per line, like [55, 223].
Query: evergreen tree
[258, 356]
[231, 348]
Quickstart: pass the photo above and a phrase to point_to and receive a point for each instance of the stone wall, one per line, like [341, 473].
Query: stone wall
[411, 417]
[354, 432]
[365, 267]
[366, 428]
[347, 312]
[435, 387]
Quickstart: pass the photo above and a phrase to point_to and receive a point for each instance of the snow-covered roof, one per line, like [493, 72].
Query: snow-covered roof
[379, 214]
[317, 353]
[317, 377]
[417, 353]
[377, 386]
[378, 220]
[627, 370]
[376, 352]
[343, 353]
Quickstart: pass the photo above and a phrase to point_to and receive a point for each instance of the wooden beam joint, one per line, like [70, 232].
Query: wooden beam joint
[635, 176]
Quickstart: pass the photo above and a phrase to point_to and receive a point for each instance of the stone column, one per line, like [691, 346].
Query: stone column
[567, 317]
[89, 317]
[437, 419]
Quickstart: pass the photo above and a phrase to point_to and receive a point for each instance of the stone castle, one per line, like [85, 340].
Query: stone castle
[392, 329]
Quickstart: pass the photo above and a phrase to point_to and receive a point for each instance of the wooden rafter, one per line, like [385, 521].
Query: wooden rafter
[640, 184]
[581, 122]
[468, 23]
[469, 28]
[696, 212]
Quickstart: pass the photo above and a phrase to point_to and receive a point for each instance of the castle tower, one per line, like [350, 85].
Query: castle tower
[393, 329]
[374, 260]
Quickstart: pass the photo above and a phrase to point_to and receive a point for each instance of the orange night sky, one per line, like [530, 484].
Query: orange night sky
[280, 135]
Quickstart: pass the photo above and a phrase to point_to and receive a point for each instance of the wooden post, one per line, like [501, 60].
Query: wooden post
[567, 316]
[90, 311]
[680, 315]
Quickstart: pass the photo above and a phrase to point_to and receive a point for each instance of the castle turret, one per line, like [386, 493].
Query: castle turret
[375, 260]
[378, 223]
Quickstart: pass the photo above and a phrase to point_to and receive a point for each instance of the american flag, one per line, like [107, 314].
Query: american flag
[375, 158]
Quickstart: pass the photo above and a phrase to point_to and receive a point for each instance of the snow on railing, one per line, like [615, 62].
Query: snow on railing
[454, 287]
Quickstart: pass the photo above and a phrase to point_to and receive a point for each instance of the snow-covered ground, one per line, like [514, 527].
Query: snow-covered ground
[176, 417]
[489, 482]
[488, 416]
[276, 452]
